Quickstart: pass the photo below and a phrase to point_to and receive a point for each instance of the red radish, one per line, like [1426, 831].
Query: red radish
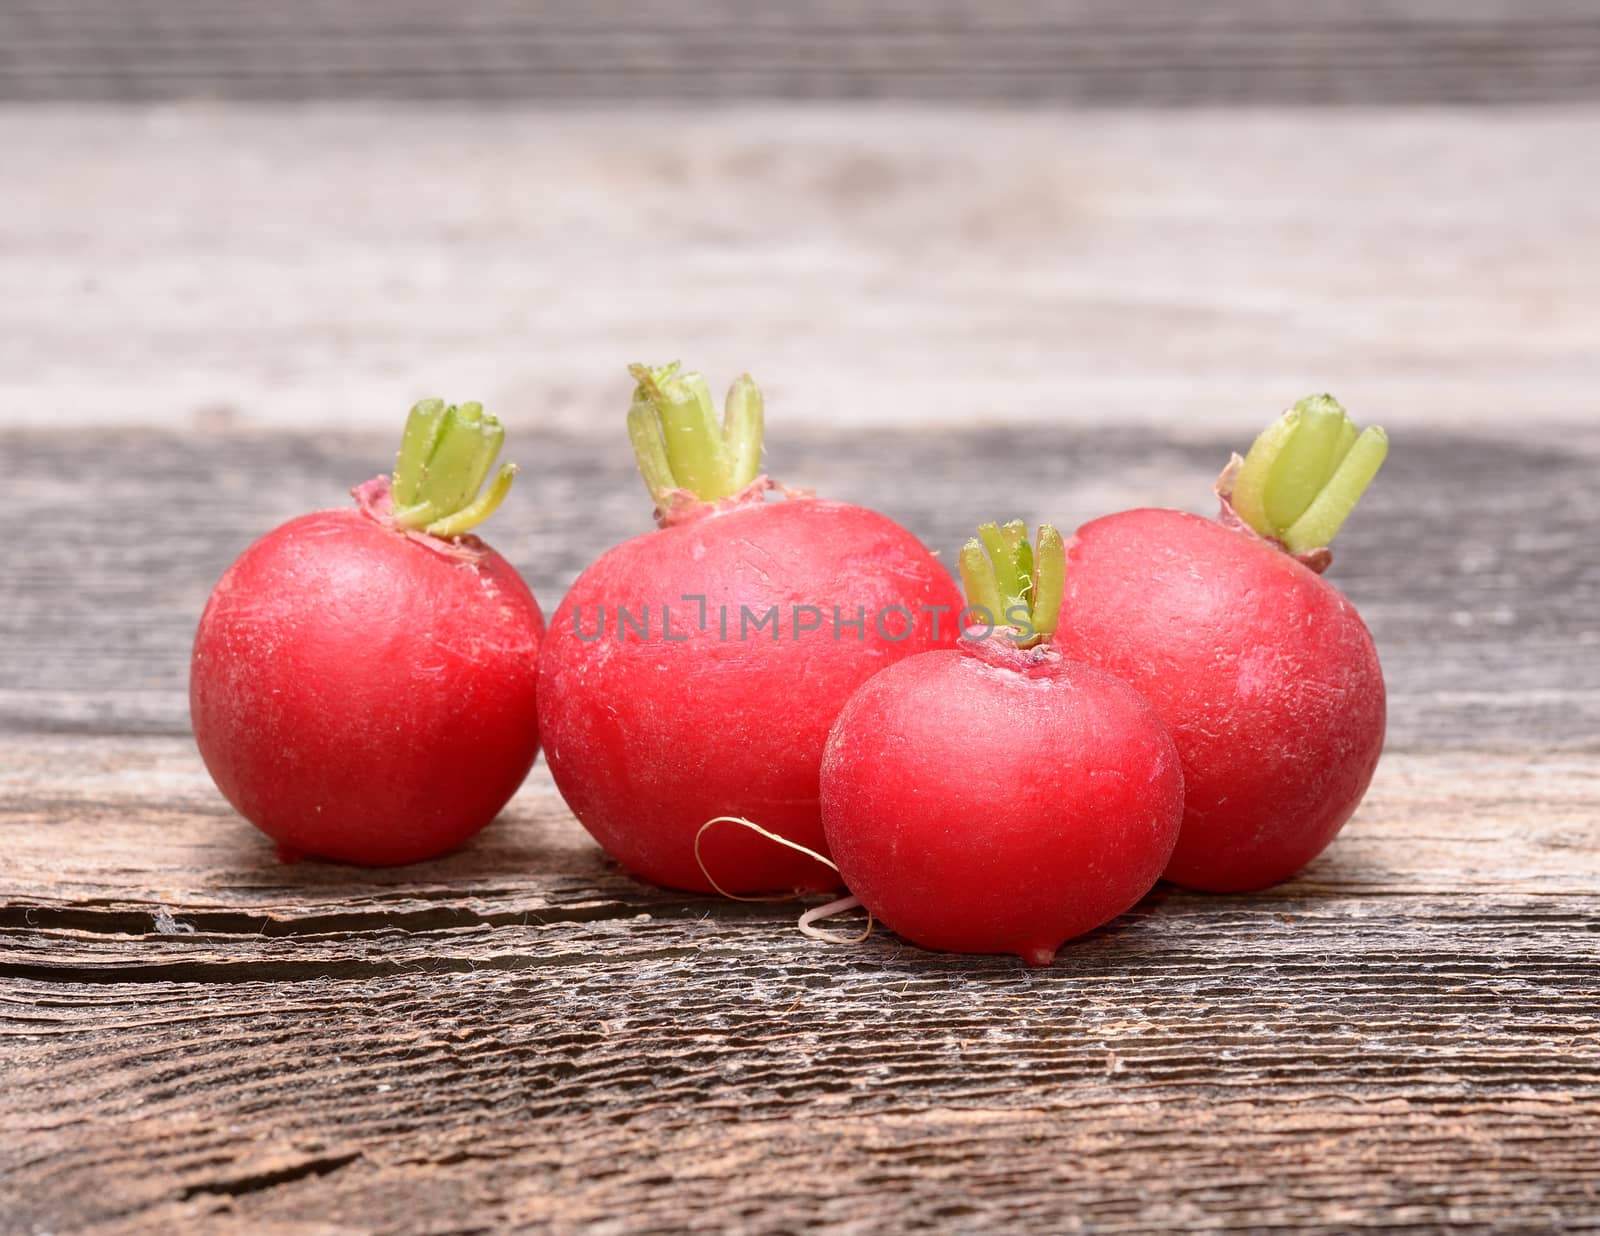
[996, 797]
[694, 671]
[362, 686]
[1263, 672]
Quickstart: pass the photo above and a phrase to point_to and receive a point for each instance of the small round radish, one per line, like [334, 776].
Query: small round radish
[362, 686]
[694, 671]
[996, 797]
[1265, 674]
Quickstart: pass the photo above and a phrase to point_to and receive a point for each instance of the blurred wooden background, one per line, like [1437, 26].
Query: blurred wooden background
[294, 208]
[611, 51]
[1059, 260]
[275, 264]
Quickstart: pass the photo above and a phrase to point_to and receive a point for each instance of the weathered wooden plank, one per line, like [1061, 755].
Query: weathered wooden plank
[886, 267]
[1316, 1064]
[1407, 1035]
[102, 834]
[1474, 562]
[1080, 51]
[1530, 940]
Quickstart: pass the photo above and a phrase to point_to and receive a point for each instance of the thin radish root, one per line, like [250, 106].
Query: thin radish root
[810, 917]
[770, 836]
[819, 913]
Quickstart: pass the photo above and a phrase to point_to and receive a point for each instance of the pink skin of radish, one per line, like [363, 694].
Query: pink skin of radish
[363, 690]
[997, 799]
[1264, 673]
[649, 736]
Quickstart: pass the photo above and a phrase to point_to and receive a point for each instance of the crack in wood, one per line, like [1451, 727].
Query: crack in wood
[130, 922]
[260, 1181]
[289, 970]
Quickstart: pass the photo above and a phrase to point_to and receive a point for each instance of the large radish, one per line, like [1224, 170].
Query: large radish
[693, 671]
[362, 684]
[1264, 673]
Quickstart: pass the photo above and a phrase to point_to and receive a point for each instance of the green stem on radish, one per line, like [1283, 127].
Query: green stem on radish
[678, 442]
[445, 456]
[1009, 578]
[1306, 472]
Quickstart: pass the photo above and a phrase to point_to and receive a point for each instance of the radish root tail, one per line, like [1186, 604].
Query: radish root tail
[818, 913]
[812, 916]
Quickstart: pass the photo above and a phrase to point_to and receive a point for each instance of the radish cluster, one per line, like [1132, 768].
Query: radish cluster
[1156, 696]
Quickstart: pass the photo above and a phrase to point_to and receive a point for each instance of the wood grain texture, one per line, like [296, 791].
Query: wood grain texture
[1078, 51]
[520, 1037]
[1406, 1037]
[1191, 272]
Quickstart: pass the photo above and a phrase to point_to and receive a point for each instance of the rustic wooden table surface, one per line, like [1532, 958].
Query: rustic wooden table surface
[194, 1037]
